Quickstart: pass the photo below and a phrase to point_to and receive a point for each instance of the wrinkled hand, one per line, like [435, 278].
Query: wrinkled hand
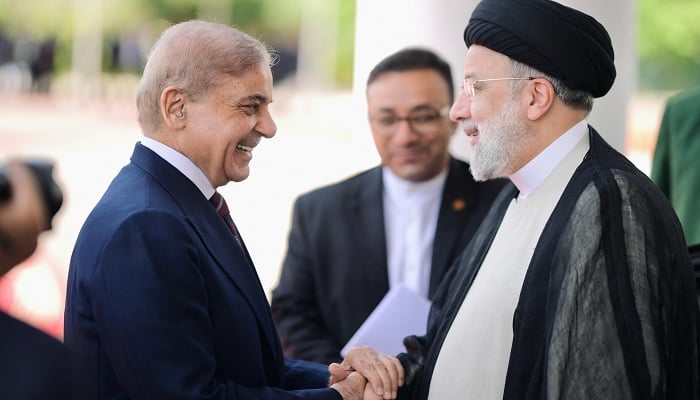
[369, 394]
[384, 373]
[351, 388]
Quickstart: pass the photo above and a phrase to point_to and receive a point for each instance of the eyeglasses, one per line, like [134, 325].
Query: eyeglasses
[470, 85]
[423, 122]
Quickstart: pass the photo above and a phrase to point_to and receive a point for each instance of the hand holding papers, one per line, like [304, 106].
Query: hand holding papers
[400, 313]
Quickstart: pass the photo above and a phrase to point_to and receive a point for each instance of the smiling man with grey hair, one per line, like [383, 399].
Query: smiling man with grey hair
[163, 299]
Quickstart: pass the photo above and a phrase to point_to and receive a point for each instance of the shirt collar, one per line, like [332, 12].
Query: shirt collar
[399, 188]
[182, 164]
[531, 176]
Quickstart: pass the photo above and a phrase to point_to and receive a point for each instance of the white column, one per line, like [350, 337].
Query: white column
[384, 26]
[87, 49]
[317, 38]
[609, 115]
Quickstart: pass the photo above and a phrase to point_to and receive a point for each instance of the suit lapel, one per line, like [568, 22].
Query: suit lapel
[236, 263]
[368, 229]
[215, 234]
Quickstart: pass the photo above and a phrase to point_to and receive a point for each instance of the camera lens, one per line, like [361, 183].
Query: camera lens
[42, 171]
[50, 192]
[5, 188]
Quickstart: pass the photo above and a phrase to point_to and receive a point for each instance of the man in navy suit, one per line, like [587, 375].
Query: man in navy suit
[399, 224]
[33, 365]
[163, 300]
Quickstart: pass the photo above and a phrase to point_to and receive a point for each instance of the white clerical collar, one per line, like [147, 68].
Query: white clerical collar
[531, 176]
[400, 189]
[182, 164]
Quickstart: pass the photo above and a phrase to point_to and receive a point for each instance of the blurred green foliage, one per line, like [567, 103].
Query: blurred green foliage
[275, 22]
[668, 34]
[668, 37]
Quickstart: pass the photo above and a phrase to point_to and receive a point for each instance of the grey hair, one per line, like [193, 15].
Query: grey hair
[576, 99]
[193, 56]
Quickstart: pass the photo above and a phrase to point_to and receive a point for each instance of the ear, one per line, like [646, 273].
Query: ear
[172, 107]
[541, 97]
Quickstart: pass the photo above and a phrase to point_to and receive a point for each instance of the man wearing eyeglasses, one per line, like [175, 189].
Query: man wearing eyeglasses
[578, 285]
[398, 224]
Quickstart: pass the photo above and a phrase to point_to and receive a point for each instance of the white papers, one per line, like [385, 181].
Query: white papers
[401, 313]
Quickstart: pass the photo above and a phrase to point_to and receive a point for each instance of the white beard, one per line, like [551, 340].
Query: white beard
[500, 138]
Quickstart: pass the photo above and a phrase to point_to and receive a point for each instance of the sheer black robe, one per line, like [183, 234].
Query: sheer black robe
[607, 309]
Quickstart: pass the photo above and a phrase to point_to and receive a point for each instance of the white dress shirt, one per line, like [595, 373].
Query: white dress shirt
[410, 218]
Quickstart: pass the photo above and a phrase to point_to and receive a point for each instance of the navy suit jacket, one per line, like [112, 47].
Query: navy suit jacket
[162, 303]
[33, 365]
[335, 271]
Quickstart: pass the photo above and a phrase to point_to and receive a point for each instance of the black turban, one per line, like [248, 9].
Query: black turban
[557, 40]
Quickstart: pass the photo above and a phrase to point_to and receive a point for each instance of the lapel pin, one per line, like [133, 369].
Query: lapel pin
[458, 204]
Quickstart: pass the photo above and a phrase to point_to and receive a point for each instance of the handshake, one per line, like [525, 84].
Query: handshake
[367, 374]
[29, 199]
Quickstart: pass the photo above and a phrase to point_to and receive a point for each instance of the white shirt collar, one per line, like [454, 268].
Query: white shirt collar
[182, 164]
[400, 189]
[531, 176]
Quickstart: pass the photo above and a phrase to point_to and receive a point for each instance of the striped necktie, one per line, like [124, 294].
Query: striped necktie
[217, 200]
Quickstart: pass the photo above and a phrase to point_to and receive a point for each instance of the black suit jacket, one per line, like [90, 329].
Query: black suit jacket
[33, 365]
[335, 270]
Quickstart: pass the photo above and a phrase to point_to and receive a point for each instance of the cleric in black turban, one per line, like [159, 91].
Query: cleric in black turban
[578, 284]
[557, 40]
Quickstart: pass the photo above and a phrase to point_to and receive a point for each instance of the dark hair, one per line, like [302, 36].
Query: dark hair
[411, 59]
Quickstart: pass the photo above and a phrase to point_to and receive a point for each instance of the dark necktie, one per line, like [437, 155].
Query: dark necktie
[217, 200]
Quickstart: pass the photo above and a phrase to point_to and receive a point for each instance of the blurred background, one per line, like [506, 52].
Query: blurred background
[69, 70]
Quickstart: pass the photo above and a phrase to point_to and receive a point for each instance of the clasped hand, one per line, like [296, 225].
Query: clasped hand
[366, 373]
